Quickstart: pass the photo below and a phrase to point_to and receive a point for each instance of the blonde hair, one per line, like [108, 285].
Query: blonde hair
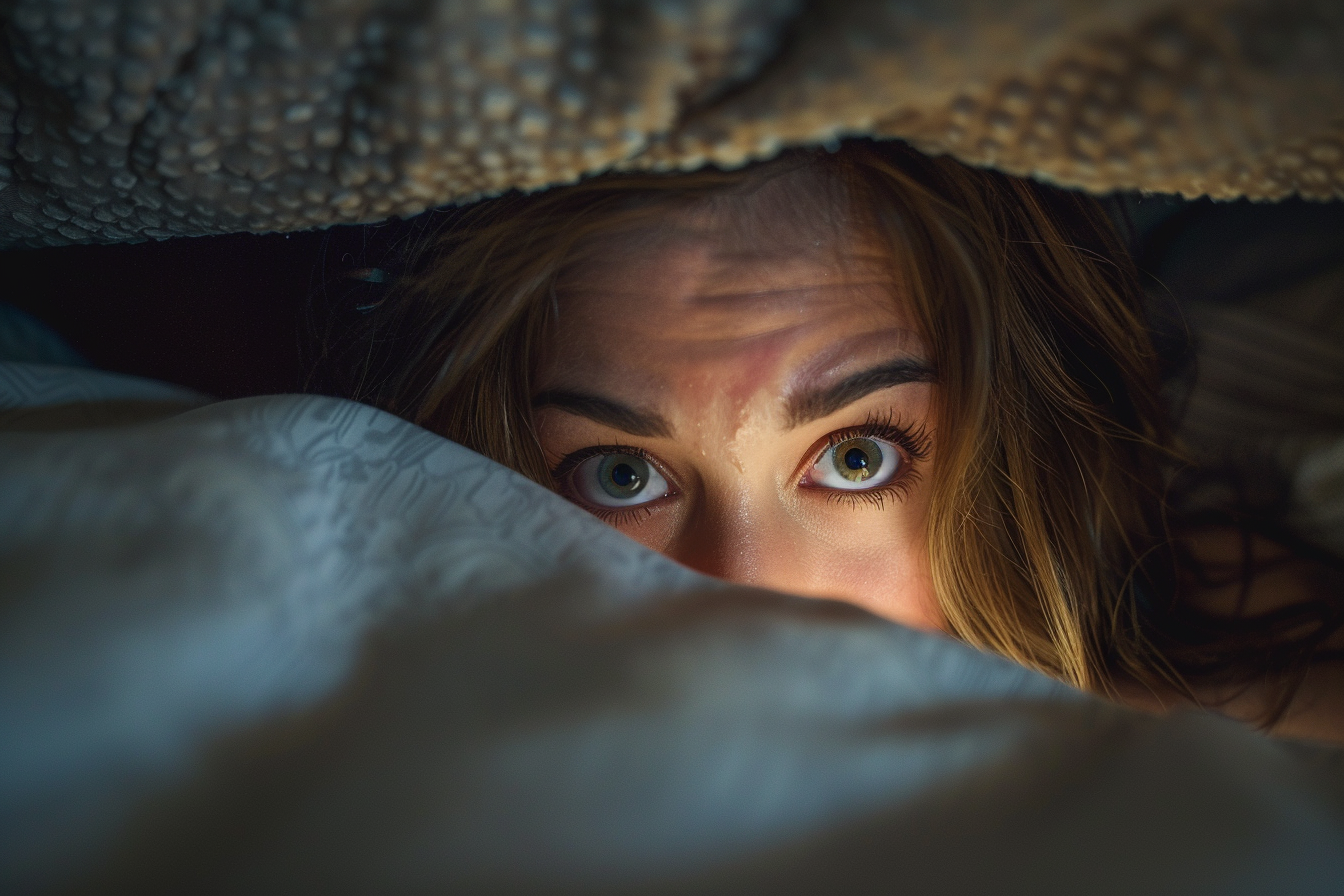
[1047, 535]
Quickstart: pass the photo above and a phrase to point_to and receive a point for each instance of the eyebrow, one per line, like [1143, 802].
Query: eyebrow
[814, 404]
[611, 413]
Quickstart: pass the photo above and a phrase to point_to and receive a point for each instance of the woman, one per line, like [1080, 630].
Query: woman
[871, 375]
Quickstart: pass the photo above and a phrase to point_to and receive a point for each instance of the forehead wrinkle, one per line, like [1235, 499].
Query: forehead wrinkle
[711, 321]
[851, 248]
[709, 298]
[715, 256]
[755, 337]
[798, 294]
[734, 313]
[782, 263]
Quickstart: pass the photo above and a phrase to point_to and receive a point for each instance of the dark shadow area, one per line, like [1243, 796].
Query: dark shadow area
[231, 316]
[218, 314]
[249, 314]
[1223, 252]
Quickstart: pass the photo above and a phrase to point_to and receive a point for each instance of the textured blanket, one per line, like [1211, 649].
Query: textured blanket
[124, 120]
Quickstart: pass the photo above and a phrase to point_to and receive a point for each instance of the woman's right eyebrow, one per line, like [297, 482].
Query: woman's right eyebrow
[606, 411]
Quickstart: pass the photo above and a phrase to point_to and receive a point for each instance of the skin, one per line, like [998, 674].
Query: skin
[729, 348]
[698, 341]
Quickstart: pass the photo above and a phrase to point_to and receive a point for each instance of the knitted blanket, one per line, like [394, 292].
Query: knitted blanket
[144, 119]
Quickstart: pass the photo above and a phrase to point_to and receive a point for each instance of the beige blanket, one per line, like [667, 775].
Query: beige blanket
[133, 120]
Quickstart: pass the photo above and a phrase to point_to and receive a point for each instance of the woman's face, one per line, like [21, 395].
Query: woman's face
[749, 396]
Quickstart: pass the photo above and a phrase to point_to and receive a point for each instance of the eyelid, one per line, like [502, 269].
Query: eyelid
[912, 442]
[571, 461]
[567, 463]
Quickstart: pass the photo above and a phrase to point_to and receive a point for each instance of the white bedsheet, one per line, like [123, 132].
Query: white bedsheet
[294, 644]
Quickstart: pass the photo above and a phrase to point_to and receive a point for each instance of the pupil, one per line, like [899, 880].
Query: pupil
[856, 459]
[622, 476]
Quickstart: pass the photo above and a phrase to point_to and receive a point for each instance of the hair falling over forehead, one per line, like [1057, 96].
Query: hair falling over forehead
[1047, 534]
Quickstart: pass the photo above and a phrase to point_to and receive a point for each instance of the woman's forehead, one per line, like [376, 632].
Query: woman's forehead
[744, 288]
[689, 301]
[720, 263]
[685, 307]
[688, 276]
[780, 211]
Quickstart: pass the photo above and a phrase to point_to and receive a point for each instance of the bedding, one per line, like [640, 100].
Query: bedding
[292, 643]
[157, 118]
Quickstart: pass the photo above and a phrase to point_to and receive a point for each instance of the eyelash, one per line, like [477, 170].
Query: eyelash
[914, 443]
[607, 514]
[610, 515]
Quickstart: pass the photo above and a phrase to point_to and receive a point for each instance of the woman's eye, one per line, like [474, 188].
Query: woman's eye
[856, 463]
[617, 480]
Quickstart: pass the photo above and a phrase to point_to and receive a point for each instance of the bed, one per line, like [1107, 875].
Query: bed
[291, 643]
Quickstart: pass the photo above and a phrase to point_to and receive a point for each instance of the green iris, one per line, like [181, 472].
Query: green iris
[622, 476]
[857, 459]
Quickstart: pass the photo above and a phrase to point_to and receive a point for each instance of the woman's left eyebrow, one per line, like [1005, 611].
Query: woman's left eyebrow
[606, 411]
[814, 404]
